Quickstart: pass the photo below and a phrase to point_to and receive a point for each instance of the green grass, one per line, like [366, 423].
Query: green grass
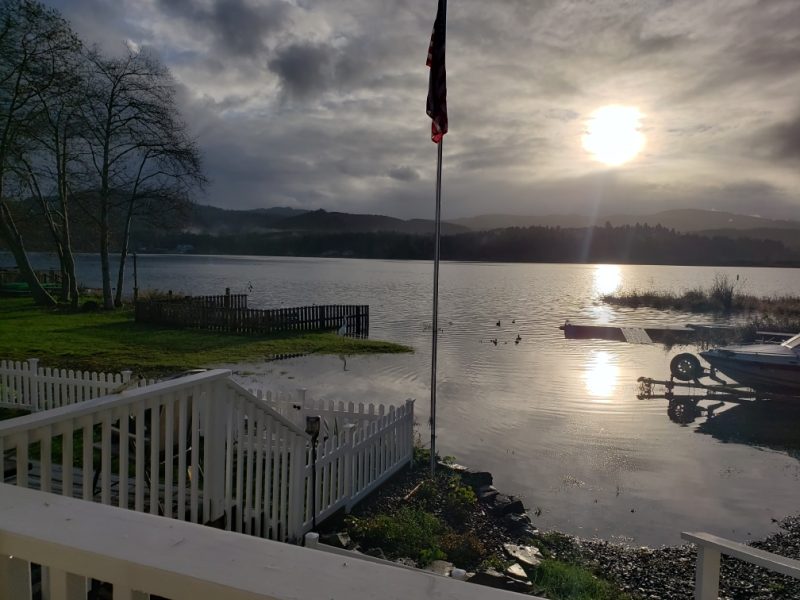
[561, 581]
[111, 341]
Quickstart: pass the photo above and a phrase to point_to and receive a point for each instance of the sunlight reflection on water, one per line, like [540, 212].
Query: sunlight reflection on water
[601, 376]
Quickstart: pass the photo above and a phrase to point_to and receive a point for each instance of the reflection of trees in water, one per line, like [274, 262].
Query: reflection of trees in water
[772, 424]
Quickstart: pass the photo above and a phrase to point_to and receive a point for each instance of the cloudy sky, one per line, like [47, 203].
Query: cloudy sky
[321, 103]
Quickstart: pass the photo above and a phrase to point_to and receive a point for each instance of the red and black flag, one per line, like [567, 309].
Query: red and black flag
[437, 85]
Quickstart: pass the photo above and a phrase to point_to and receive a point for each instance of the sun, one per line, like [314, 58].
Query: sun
[613, 134]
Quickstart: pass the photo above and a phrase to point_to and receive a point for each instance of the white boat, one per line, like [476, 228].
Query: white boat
[771, 368]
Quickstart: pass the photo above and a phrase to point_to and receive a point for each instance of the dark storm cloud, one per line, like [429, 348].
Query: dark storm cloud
[304, 69]
[782, 141]
[321, 104]
[404, 174]
[240, 27]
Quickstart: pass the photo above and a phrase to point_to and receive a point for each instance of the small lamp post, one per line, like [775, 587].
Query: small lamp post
[312, 429]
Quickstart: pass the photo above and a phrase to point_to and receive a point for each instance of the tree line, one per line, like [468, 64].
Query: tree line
[85, 137]
[637, 244]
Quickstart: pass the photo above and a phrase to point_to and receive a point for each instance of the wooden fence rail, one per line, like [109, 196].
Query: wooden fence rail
[352, 320]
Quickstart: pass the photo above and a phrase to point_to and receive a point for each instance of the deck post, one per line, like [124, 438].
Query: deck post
[707, 576]
[15, 578]
[215, 439]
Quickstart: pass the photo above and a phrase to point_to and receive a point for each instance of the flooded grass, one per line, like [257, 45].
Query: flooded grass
[110, 341]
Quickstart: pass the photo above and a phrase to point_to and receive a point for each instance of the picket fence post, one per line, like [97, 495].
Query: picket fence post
[33, 383]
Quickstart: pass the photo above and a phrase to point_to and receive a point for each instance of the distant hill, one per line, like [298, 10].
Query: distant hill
[788, 237]
[336, 222]
[683, 220]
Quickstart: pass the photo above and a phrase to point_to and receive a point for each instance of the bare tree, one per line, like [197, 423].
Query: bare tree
[54, 165]
[141, 157]
[33, 38]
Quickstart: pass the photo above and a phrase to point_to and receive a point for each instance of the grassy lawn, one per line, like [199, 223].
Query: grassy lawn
[111, 341]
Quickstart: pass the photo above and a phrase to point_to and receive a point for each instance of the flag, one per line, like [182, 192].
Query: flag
[437, 84]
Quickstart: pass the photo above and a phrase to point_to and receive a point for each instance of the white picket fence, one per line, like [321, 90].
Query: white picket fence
[26, 385]
[203, 449]
[360, 446]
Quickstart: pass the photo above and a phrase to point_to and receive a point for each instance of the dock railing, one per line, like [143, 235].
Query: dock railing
[710, 548]
[29, 386]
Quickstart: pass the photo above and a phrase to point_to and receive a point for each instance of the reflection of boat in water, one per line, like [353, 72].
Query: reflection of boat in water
[765, 368]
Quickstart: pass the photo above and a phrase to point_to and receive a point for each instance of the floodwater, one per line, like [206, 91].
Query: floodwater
[556, 421]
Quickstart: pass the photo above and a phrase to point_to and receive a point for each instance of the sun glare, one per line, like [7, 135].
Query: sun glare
[607, 279]
[612, 134]
[601, 376]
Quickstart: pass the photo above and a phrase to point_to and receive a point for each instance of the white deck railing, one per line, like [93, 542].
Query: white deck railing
[26, 385]
[203, 449]
[709, 551]
[360, 446]
[140, 554]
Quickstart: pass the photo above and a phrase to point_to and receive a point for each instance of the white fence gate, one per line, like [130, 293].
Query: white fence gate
[203, 449]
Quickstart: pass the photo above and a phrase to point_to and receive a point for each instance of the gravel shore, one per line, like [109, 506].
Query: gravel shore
[667, 573]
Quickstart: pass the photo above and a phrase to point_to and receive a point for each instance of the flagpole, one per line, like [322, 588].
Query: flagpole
[435, 339]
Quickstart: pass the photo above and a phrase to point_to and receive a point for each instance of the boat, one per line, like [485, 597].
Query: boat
[773, 368]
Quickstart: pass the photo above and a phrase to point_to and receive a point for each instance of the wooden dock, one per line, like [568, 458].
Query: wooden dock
[664, 334]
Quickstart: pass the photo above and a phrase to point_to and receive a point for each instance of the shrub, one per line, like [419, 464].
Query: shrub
[464, 550]
[459, 501]
[723, 290]
[409, 532]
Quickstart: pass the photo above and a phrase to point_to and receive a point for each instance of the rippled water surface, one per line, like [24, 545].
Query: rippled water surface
[556, 421]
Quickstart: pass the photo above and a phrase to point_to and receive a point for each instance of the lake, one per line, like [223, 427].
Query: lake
[556, 421]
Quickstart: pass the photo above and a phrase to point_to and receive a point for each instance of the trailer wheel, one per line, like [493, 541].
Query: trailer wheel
[685, 367]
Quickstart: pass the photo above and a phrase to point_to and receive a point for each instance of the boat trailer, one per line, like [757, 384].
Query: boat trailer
[685, 397]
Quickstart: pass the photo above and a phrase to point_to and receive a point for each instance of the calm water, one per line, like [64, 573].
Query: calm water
[556, 421]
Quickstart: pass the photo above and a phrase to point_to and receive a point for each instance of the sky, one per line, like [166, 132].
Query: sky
[321, 103]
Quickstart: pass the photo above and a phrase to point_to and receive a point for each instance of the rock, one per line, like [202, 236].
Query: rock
[515, 507]
[517, 572]
[486, 494]
[514, 521]
[407, 562]
[477, 479]
[492, 578]
[459, 574]
[375, 553]
[527, 555]
[338, 540]
[502, 500]
[440, 567]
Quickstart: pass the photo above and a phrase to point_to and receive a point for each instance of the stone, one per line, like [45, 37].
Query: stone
[495, 579]
[515, 506]
[440, 567]
[486, 494]
[375, 553]
[459, 574]
[407, 562]
[527, 555]
[337, 540]
[477, 479]
[515, 521]
[517, 572]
